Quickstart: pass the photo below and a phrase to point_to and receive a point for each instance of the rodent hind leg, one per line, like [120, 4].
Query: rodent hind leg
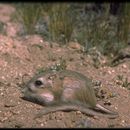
[72, 107]
[105, 110]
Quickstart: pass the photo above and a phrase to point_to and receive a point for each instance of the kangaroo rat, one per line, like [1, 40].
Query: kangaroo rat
[64, 90]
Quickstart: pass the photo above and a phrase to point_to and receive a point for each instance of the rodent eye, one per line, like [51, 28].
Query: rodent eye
[38, 83]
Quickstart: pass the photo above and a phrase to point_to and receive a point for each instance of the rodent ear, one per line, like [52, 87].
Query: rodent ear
[25, 78]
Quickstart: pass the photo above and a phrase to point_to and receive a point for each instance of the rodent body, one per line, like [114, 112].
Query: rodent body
[64, 90]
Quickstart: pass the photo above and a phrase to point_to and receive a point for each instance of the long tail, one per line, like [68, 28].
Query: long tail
[70, 107]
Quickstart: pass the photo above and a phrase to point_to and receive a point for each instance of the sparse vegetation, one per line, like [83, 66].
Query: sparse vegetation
[38, 46]
[40, 70]
[61, 22]
[88, 25]
[61, 65]
[28, 14]
[123, 81]
[99, 31]
[2, 28]
[123, 23]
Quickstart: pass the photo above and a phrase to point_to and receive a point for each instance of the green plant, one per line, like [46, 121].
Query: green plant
[64, 22]
[123, 81]
[120, 77]
[126, 83]
[28, 14]
[124, 22]
[38, 46]
[40, 70]
[2, 29]
[60, 22]
[61, 65]
[98, 30]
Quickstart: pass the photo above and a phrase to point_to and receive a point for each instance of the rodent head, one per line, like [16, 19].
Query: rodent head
[38, 90]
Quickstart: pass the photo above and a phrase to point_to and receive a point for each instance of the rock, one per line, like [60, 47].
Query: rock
[74, 45]
[10, 103]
